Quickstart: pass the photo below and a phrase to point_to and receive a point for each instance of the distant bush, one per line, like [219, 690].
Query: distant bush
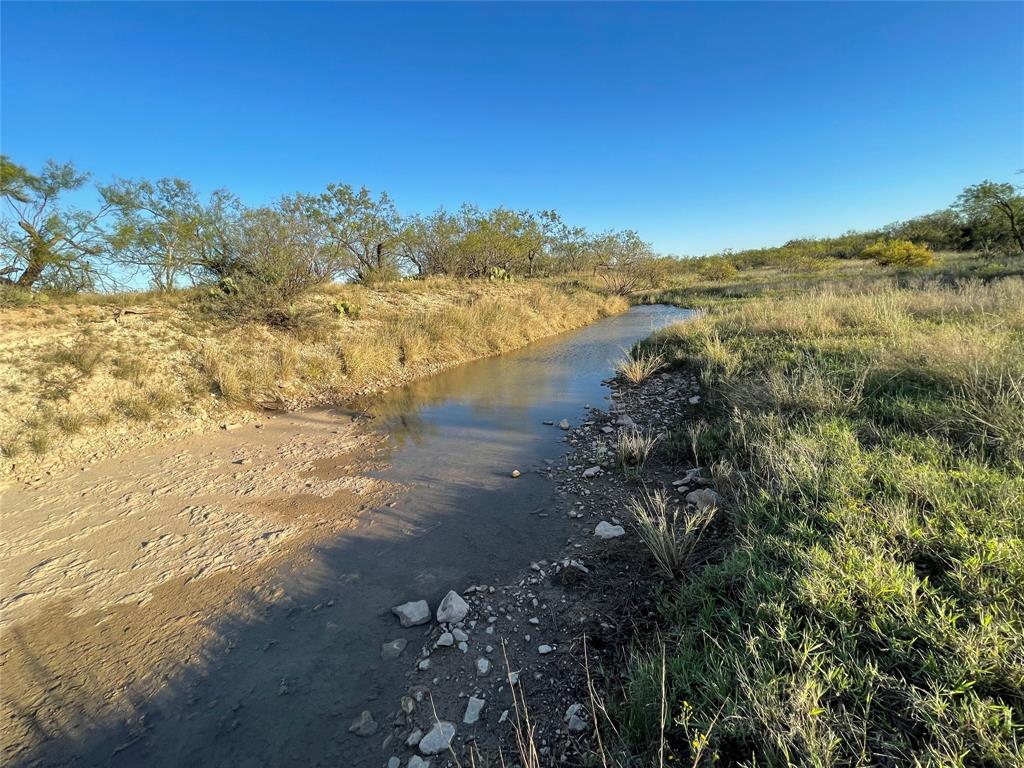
[900, 253]
[719, 269]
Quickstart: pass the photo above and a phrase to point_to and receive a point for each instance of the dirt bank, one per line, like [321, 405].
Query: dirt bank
[85, 379]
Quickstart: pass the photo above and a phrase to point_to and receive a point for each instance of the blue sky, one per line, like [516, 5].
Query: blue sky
[702, 126]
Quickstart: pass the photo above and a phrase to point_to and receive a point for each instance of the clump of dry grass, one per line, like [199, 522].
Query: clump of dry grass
[70, 422]
[634, 446]
[669, 535]
[10, 446]
[131, 368]
[83, 357]
[640, 364]
[39, 441]
[223, 374]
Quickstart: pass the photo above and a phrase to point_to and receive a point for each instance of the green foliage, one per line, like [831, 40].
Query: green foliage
[900, 253]
[868, 609]
[11, 296]
[996, 214]
[158, 228]
[719, 269]
[347, 309]
[42, 241]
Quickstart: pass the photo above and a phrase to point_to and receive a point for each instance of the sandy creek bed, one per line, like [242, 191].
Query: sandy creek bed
[222, 599]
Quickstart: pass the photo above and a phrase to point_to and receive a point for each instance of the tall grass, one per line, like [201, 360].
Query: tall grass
[869, 609]
[669, 536]
[640, 364]
[633, 447]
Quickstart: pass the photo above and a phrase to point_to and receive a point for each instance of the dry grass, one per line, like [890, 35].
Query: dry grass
[640, 364]
[669, 536]
[634, 447]
[343, 341]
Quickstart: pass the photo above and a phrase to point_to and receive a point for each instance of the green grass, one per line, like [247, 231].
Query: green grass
[868, 607]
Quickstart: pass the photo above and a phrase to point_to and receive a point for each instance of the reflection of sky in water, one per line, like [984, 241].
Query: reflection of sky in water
[473, 424]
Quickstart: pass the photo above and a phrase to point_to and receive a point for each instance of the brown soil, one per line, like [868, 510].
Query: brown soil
[99, 613]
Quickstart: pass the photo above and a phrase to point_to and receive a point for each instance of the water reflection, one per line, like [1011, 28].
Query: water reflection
[478, 420]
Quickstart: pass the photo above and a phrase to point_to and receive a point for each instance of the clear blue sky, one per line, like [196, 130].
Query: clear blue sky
[701, 126]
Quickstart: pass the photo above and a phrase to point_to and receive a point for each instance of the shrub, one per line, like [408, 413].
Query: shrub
[719, 269]
[900, 253]
[13, 297]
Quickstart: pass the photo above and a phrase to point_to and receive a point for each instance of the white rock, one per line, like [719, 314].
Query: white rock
[573, 718]
[463, 646]
[473, 709]
[483, 667]
[545, 649]
[459, 635]
[424, 665]
[563, 424]
[703, 498]
[607, 430]
[446, 640]
[418, 762]
[591, 472]
[437, 739]
[414, 738]
[625, 421]
[394, 762]
[364, 725]
[694, 400]
[452, 609]
[608, 531]
[413, 613]
[393, 649]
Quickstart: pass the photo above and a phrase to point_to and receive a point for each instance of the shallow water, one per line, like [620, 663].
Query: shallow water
[295, 678]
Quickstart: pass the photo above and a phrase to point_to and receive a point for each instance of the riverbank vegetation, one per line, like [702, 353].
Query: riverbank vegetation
[864, 425]
[81, 374]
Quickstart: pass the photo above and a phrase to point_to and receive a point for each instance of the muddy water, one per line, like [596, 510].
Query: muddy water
[284, 683]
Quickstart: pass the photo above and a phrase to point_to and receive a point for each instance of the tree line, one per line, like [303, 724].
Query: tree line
[166, 234]
[987, 218]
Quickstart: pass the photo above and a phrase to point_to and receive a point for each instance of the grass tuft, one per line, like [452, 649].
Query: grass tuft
[634, 447]
[640, 364]
[669, 536]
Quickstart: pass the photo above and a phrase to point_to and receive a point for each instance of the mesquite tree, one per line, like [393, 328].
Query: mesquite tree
[43, 240]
